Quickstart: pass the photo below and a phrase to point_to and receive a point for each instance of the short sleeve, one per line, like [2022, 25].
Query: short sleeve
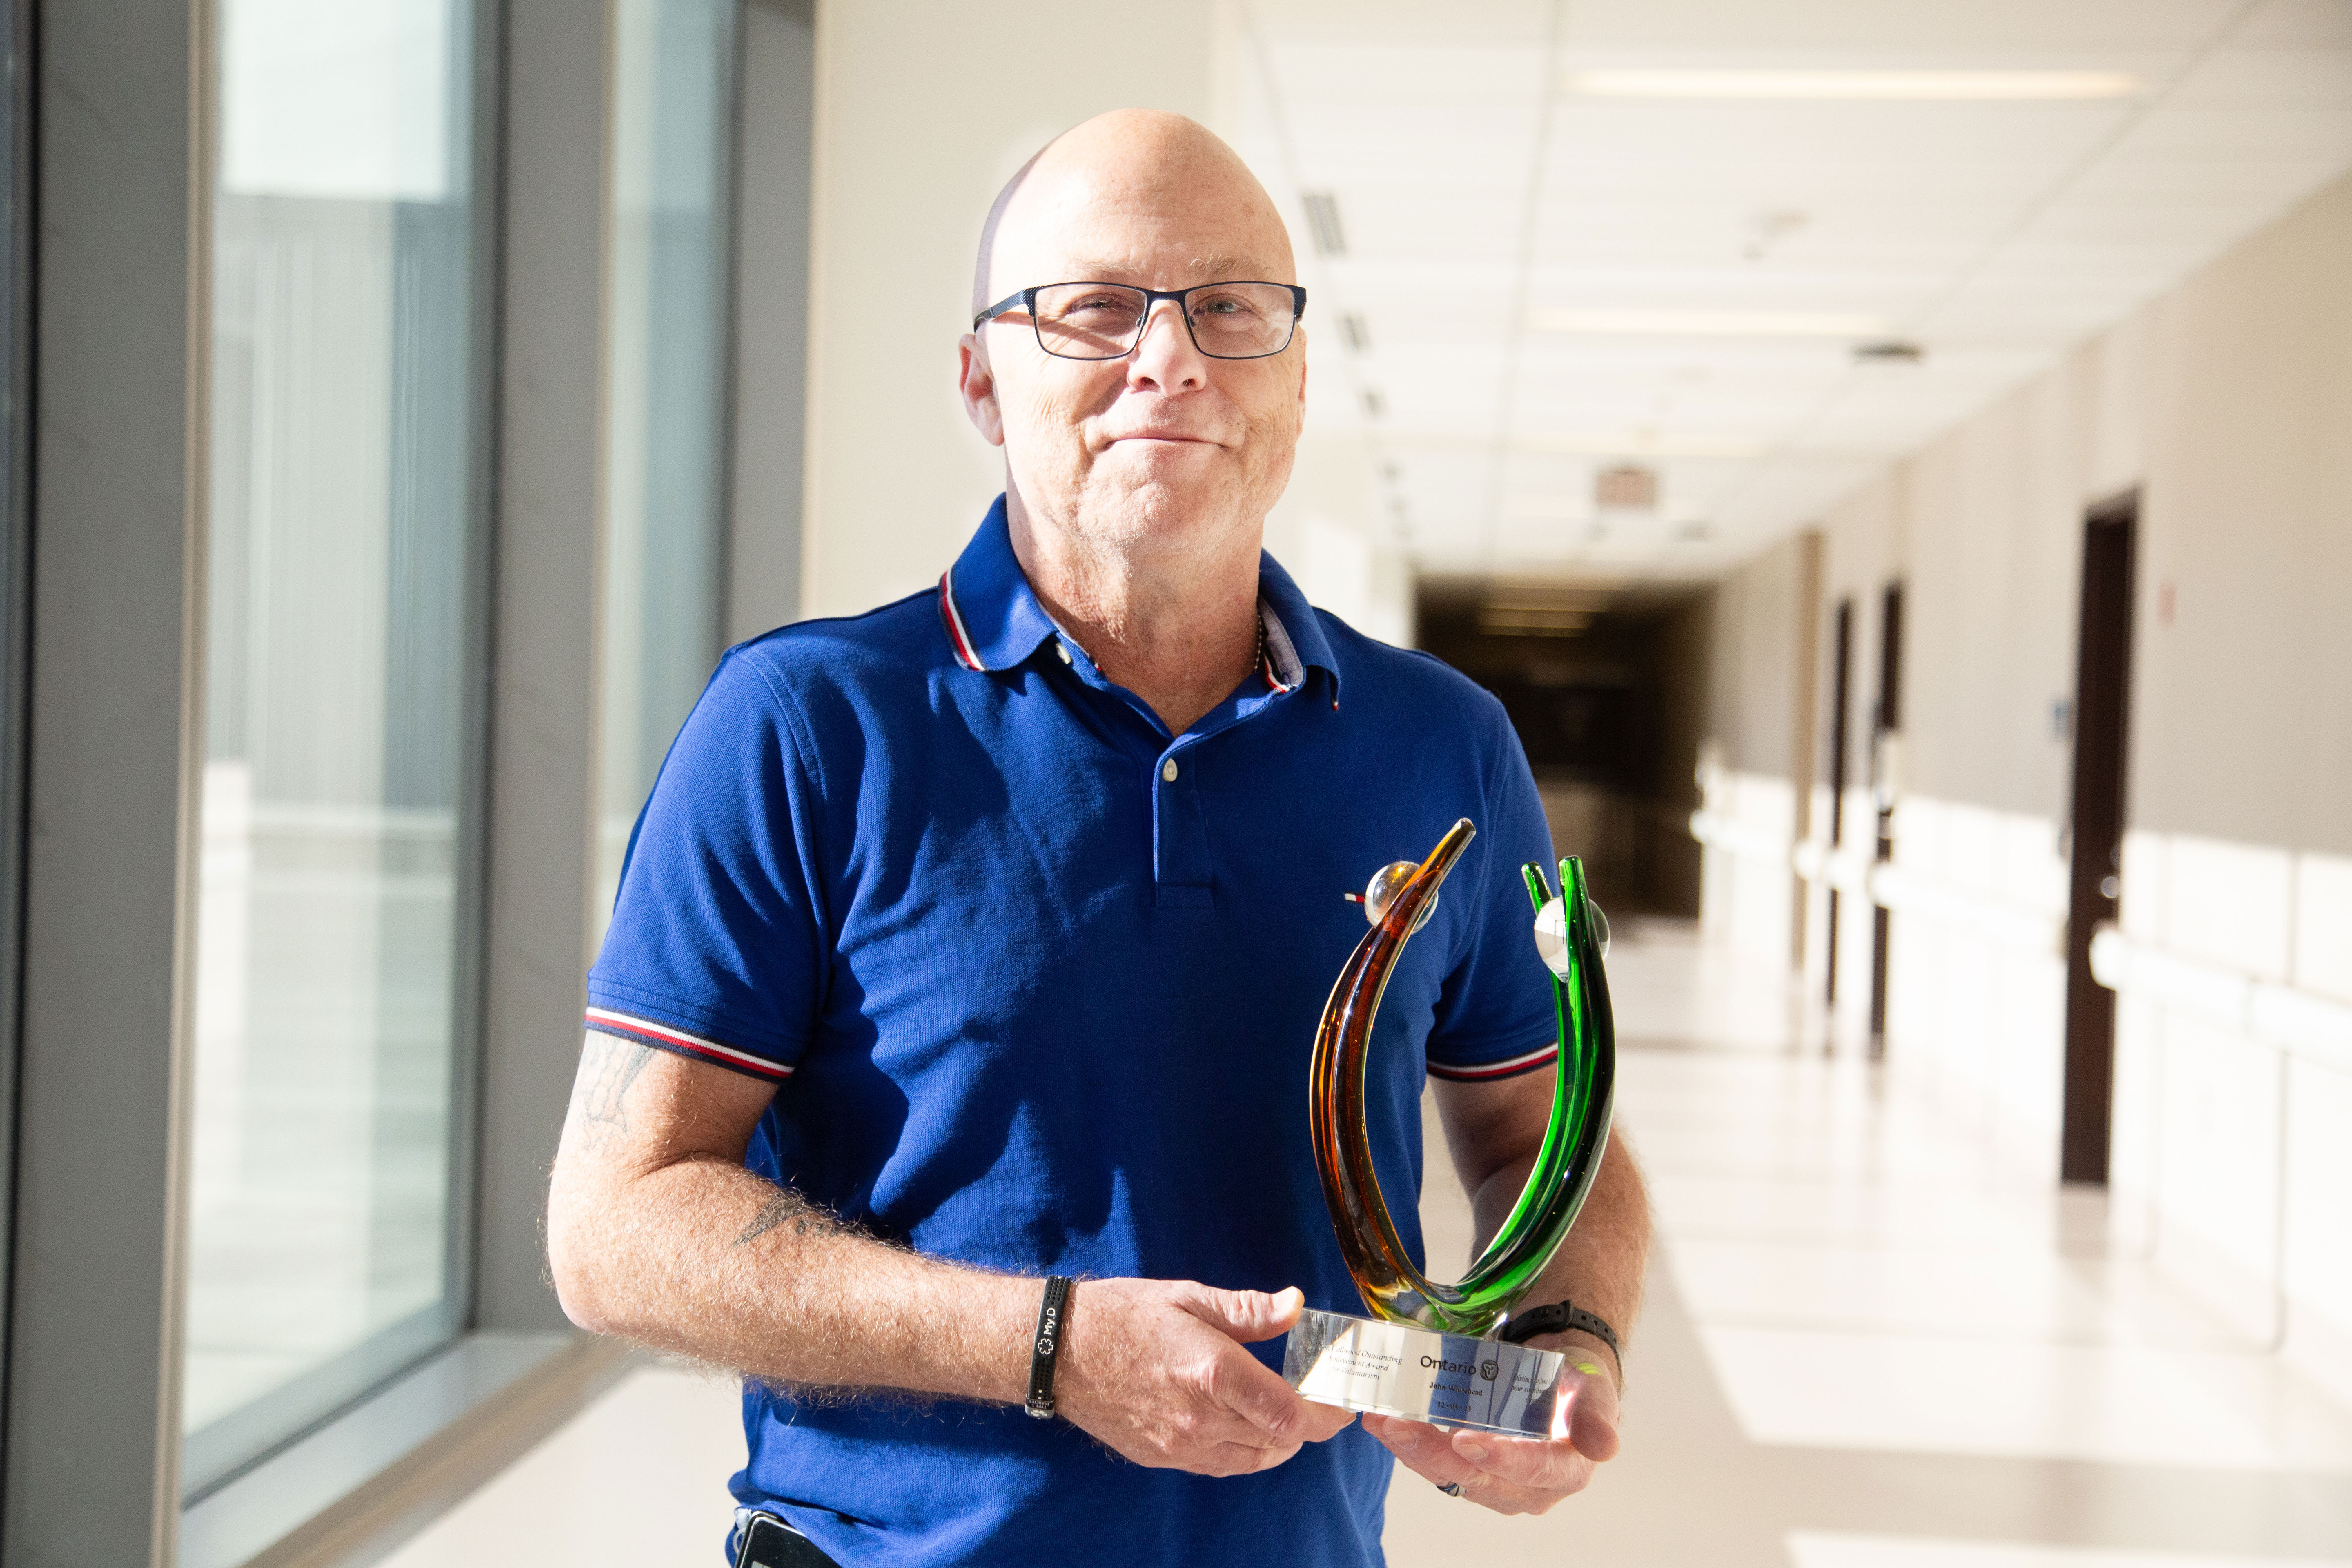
[715, 950]
[1494, 1016]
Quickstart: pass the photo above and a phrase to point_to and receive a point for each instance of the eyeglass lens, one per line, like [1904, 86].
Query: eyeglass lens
[1104, 320]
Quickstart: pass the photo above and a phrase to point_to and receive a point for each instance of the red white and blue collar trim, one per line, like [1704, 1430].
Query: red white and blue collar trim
[959, 636]
[1487, 1071]
[645, 1032]
[1282, 668]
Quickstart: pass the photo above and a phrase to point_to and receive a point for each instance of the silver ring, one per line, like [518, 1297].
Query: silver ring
[1452, 1489]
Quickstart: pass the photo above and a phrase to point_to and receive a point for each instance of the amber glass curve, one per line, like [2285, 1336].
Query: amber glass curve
[1583, 1096]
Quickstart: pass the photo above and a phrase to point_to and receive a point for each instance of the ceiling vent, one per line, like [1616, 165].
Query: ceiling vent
[1626, 488]
[1323, 219]
[1889, 351]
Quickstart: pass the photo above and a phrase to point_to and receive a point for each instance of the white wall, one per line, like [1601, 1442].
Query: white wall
[2227, 401]
[1750, 819]
[924, 108]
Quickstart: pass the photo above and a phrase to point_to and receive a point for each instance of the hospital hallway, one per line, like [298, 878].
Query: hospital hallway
[1873, 1339]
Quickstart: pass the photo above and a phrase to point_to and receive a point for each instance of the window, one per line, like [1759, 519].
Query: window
[665, 432]
[324, 1244]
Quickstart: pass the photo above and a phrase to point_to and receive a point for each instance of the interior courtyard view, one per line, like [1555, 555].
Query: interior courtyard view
[1891, 461]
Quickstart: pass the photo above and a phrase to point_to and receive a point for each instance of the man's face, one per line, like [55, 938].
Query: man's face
[1165, 451]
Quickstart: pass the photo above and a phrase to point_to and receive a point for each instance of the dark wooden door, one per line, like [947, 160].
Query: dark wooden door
[2096, 834]
[1841, 699]
[1887, 719]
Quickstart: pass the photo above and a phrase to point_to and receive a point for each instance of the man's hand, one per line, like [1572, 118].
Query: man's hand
[1154, 1369]
[1517, 1475]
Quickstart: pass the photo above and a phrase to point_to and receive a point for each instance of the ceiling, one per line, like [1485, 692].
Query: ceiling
[1582, 234]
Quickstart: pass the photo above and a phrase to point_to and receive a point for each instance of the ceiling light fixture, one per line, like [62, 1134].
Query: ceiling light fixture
[1915, 85]
[1641, 444]
[1628, 486]
[1532, 623]
[1708, 323]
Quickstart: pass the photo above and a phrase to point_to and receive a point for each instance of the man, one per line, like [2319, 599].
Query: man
[981, 939]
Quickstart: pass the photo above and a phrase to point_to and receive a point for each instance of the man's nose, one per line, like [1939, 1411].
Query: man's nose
[1166, 352]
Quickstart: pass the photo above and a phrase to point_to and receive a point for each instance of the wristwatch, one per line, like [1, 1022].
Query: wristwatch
[1558, 1318]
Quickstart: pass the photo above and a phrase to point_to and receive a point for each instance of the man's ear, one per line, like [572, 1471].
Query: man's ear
[976, 379]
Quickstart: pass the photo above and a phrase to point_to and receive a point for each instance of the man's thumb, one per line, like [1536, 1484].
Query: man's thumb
[1249, 1316]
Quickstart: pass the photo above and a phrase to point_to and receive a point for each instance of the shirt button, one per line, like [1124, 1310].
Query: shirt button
[1167, 769]
[1064, 649]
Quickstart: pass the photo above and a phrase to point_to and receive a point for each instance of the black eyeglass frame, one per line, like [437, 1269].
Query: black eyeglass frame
[1026, 300]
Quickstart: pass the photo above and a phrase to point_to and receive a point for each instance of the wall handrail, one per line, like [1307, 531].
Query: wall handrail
[2285, 1017]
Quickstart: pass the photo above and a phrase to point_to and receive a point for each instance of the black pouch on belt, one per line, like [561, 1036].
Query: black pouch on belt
[767, 1542]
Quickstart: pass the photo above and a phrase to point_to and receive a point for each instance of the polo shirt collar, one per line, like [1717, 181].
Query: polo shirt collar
[993, 617]
[1295, 642]
[994, 620]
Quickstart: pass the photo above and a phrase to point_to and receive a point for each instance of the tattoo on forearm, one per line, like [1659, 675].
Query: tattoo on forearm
[787, 1207]
[600, 1101]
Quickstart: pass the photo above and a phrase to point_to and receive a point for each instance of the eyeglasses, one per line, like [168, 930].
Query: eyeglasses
[1106, 320]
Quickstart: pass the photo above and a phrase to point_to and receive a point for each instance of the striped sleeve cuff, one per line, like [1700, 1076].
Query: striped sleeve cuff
[661, 1037]
[1485, 1072]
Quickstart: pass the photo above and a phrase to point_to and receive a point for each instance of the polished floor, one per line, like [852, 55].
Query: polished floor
[1869, 1343]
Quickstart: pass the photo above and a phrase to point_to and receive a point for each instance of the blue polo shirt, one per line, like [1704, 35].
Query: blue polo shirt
[1038, 983]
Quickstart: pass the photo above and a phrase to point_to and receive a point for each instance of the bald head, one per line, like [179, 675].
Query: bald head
[1158, 464]
[1131, 163]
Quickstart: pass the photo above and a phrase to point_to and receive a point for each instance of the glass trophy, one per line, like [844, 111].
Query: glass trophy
[1430, 1351]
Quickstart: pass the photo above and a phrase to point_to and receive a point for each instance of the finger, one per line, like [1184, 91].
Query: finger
[1323, 1422]
[1420, 1448]
[1246, 1316]
[1593, 1430]
[1247, 1461]
[1592, 1409]
[1491, 1491]
[1530, 1462]
[1245, 1386]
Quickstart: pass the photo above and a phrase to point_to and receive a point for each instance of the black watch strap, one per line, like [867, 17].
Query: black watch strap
[1052, 1317]
[1558, 1318]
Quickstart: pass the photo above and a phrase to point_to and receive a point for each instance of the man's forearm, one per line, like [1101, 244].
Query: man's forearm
[1601, 1265]
[699, 1256]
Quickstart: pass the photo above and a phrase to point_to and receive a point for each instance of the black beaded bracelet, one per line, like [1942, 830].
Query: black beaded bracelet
[1559, 1317]
[1050, 1317]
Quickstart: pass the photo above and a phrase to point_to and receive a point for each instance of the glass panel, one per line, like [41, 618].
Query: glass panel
[321, 1229]
[14, 187]
[665, 444]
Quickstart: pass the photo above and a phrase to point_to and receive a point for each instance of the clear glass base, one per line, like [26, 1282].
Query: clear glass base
[1422, 1374]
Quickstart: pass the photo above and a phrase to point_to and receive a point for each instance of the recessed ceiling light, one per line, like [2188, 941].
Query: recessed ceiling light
[1641, 444]
[1709, 323]
[1918, 86]
[1541, 509]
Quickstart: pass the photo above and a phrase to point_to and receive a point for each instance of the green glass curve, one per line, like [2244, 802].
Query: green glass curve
[1583, 1099]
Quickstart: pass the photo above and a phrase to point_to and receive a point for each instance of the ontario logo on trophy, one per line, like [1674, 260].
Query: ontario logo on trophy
[1429, 1351]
